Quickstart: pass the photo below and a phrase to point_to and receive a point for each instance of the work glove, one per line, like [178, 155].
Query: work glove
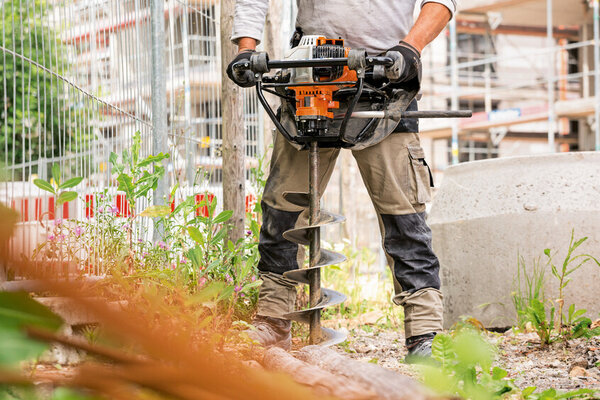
[243, 78]
[406, 70]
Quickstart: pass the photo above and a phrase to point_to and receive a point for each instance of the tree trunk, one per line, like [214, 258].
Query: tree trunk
[234, 185]
[387, 384]
[322, 382]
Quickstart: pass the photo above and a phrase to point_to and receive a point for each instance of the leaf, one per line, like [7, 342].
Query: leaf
[195, 256]
[112, 158]
[547, 252]
[16, 347]
[254, 284]
[56, 173]
[71, 183]
[62, 393]
[226, 293]
[499, 373]
[218, 237]
[223, 216]
[230, 246]
[528, 391]
[441, 349]
[153, 159]
[135, 150]
[65, 197]
[196, 235]
[126, 185]
[42, 184]
[156, 211]
[18, 309]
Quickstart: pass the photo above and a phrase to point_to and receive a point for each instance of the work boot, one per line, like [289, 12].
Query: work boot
[271, 331]
[419, 348]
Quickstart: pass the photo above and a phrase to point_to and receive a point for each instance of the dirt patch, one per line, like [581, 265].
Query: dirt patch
[560, 366]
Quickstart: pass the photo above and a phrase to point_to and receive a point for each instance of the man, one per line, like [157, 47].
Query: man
[394, 171]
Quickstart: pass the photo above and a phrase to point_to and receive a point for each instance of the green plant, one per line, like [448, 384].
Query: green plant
[567, 269]
[57, 187]
[464, 367]
[579, 325]
[136, 176]
[542, 322]
[527, 287]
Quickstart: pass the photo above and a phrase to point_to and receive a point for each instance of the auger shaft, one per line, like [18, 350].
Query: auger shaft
[315, 243]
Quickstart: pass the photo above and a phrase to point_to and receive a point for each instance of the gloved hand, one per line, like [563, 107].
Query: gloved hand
[242, 78]
[407, 66]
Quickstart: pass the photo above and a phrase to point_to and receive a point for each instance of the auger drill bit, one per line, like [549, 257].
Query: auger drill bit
[311, 235]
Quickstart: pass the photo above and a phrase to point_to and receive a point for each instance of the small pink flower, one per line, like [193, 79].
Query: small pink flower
[140, 241]
[253, 278]
[248, 233]
[162, 245]
[51, 237]
[58, 222]
[144, 254]
[61, 238]
[202, 281]
[114, 210]
[237, 288]
[78, 231]
[183, 261]
[173, 266]
[100, 196]
[242, 295]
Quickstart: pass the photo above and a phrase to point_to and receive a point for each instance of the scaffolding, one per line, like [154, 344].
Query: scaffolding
[529, 70]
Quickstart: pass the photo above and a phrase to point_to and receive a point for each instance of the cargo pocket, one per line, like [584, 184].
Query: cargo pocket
[420, 178]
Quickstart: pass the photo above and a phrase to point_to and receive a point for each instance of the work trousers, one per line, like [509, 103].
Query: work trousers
[398, 182]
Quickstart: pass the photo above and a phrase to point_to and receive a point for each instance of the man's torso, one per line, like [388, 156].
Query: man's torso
[375, 25]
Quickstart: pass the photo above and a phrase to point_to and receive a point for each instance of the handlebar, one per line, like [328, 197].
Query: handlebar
[357, 59]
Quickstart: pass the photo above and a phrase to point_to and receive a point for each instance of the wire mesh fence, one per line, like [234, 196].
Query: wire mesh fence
[76, 86]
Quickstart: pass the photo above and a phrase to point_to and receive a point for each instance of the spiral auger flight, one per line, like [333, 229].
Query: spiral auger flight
[311, 235]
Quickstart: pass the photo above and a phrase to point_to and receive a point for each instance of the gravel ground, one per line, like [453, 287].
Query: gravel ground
[559, 366]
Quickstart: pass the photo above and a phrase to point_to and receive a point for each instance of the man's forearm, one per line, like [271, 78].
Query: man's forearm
[246, 43]
[431, 21]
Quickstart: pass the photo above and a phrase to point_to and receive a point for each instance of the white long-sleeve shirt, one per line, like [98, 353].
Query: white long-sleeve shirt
[375, 25]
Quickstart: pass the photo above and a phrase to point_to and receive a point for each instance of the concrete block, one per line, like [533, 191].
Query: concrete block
[487, 212]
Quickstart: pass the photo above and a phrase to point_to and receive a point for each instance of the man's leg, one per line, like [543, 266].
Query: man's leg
[288, 173]
[398, 181]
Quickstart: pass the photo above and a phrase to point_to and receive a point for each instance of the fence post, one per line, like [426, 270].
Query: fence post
[159, 92]
[233, 130]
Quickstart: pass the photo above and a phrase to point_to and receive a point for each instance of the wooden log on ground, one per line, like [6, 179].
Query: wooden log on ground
[388, 385]
[323, 382]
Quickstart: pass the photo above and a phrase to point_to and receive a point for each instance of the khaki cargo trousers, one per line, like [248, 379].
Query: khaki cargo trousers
[398, 181]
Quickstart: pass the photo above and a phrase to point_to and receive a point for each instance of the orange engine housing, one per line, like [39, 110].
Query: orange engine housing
[317, 100]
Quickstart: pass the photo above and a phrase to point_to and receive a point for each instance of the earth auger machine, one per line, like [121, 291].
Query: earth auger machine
[332, 96]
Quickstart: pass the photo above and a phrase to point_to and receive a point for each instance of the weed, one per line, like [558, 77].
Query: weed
[465, 368]
[567, 269]
[528, 286]
[531, 304]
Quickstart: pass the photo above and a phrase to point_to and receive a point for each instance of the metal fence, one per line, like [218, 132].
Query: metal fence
[76, 85]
